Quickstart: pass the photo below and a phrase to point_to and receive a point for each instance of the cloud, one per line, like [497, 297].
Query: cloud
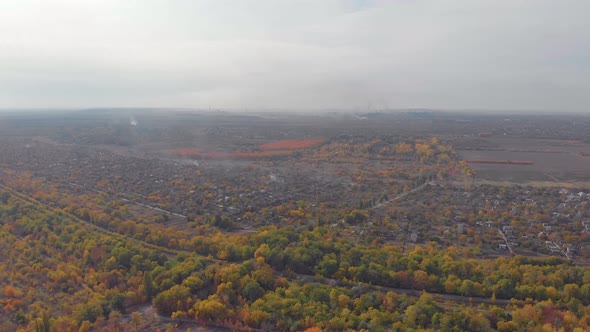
[295, 54]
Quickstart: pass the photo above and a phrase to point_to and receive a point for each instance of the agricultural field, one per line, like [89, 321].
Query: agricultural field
[553, 161]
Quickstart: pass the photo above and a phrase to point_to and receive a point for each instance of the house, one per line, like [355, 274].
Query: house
[461, 228]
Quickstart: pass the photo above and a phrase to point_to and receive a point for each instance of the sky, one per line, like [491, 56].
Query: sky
[296, 54]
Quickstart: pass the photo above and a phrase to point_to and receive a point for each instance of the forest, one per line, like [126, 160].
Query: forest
[69, 276]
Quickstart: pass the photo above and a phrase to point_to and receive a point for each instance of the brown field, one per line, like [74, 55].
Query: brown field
[277, 148]
[548, 161]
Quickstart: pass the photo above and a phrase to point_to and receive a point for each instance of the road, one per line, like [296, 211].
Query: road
[438, 297]
[400, 196]
[308, 278]
[130, 201]
[506, 240]
[29, 199]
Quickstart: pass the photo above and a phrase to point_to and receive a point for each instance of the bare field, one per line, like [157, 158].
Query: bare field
[554, 161]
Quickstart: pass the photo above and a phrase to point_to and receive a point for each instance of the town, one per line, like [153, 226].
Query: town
[224, 189]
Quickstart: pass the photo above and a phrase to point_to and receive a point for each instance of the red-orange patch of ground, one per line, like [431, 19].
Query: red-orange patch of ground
[290, 144]
[256, 154]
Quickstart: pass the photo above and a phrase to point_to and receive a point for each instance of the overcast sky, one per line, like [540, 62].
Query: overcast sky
[306, 54]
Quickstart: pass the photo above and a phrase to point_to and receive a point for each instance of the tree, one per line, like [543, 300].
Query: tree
[252, 291]
[194, 283]
[211, 309]
[420, 314]
[421, 281]
[136, 319]
[328, 266]
[42, 324]
[174, 299]
[85, 326]
[148, 285]
[4, 197]
[254, 318]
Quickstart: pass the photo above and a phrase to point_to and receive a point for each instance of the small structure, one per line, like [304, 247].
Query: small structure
[461, 228]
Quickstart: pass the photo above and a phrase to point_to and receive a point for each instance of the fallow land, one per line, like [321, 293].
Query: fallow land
[147, 219]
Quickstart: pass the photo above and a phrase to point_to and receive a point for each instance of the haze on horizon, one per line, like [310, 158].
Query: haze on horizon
[252, 54]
